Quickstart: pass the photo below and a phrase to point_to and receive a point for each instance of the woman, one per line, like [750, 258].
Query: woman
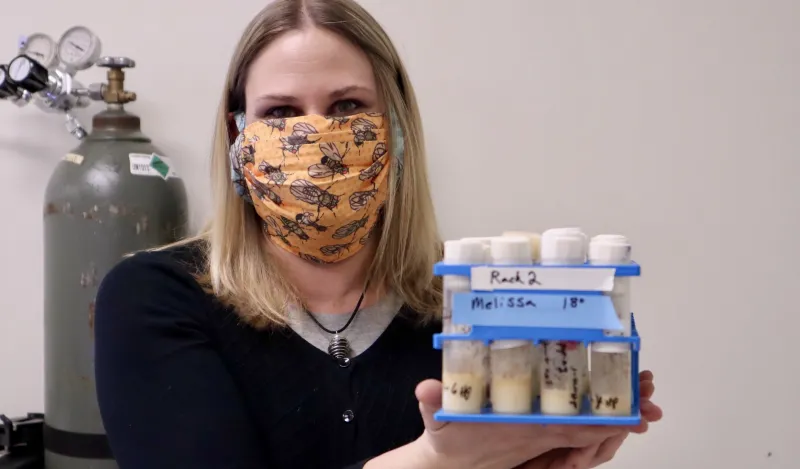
[215, 359]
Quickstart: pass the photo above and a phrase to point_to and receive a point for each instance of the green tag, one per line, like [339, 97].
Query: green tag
[160, 166]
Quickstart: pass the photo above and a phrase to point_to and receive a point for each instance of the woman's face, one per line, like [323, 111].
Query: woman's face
[310, 71]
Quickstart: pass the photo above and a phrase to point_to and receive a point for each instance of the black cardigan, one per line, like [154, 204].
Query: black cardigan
[182, 383]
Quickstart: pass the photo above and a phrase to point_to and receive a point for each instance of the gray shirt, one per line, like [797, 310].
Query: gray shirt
[365, 329]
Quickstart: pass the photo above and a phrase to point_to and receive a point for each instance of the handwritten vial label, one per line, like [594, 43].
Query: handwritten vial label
[535, 309]
[542, 278]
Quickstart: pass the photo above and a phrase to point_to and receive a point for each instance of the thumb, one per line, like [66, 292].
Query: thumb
[429, 395]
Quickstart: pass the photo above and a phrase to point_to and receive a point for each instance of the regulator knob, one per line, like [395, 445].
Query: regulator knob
[114, 91]
[7, 88]
[28, 74]
[115, 62]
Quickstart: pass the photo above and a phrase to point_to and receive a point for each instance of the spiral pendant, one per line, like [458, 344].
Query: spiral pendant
[339, 349]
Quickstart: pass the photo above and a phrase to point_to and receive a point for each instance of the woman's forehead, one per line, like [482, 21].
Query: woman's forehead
[308, 61]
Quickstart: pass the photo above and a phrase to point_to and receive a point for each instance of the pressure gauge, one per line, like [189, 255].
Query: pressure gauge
[78, 48]
[41, 48]
[28, 74]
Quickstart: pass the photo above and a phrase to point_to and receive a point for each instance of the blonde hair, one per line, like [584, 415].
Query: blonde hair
[238, 269]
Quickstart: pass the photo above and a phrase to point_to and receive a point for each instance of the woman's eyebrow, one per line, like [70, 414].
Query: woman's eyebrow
[333, 94]
[277, 97]
[348, 89]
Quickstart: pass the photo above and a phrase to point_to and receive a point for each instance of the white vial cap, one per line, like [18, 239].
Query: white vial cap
[511, 250]
[487, 240]
[464, 251]
[487, 245]
[609, 249]
[563, 246]
[567, 230]
[535, 240]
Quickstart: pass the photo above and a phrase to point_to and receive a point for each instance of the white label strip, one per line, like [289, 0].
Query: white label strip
[140, 165]
[74, 158]
[545, 278]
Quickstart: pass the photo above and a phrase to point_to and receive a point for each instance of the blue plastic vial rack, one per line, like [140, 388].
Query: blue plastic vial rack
[542, 303]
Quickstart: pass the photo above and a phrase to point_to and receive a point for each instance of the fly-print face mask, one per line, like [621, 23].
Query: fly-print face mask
[319, 183]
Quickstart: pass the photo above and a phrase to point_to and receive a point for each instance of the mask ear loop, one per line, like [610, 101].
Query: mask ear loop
[398, 141]
[236, 123]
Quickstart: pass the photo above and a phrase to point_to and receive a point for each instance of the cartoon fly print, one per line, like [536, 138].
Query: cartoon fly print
[372, 172]
[237, 175]
[297, 139]
[248, 153]
[364, 131]
[351, 228]
[274, 174]
[272, 228]
[310, 258]
[367, 236]
[262, 190]
[338, 122]
[334, 249]
[275, 124]
[294, 228]
[359, 200]
[310, 220]
[310, 193]
[331, 164]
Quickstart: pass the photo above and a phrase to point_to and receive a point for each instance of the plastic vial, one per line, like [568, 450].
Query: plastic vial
[536, 349]
[512, 382]
[564, 373]
[615, 250]
[577, 258]
[511, 387]
[486, 242]
[612, 390]
[464, 365]
[535, 240]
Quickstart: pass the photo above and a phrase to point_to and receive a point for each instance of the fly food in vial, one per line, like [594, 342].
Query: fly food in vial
[564, 371]
[464, 362]
[536, 349]
[511, 361]
[611, 361]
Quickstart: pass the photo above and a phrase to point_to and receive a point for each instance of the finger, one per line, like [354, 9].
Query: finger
[646, 375]
[429, 392]
[608, 449]
[641, 428]
[581, 458]
[580, 436]
[553, 459]
[646, 389]
[429, 395]
[651, 412]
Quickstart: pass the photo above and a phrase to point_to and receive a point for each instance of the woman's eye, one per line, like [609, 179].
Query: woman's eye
[346, 106]
[281, 112]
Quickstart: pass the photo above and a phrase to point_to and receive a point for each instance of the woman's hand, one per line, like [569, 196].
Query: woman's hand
[597, 454]
[501, 446]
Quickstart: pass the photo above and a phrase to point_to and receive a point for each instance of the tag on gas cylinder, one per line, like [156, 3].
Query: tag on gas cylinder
[151, 164]
[160, 166]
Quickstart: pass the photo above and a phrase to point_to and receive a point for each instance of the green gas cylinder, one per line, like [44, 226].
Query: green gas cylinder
[115, 194]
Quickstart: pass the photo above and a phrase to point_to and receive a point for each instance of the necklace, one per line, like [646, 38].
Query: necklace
[339, 347]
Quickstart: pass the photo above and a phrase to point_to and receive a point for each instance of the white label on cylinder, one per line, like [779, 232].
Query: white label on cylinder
[142, 165]
[551, 278]
[74, 158]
